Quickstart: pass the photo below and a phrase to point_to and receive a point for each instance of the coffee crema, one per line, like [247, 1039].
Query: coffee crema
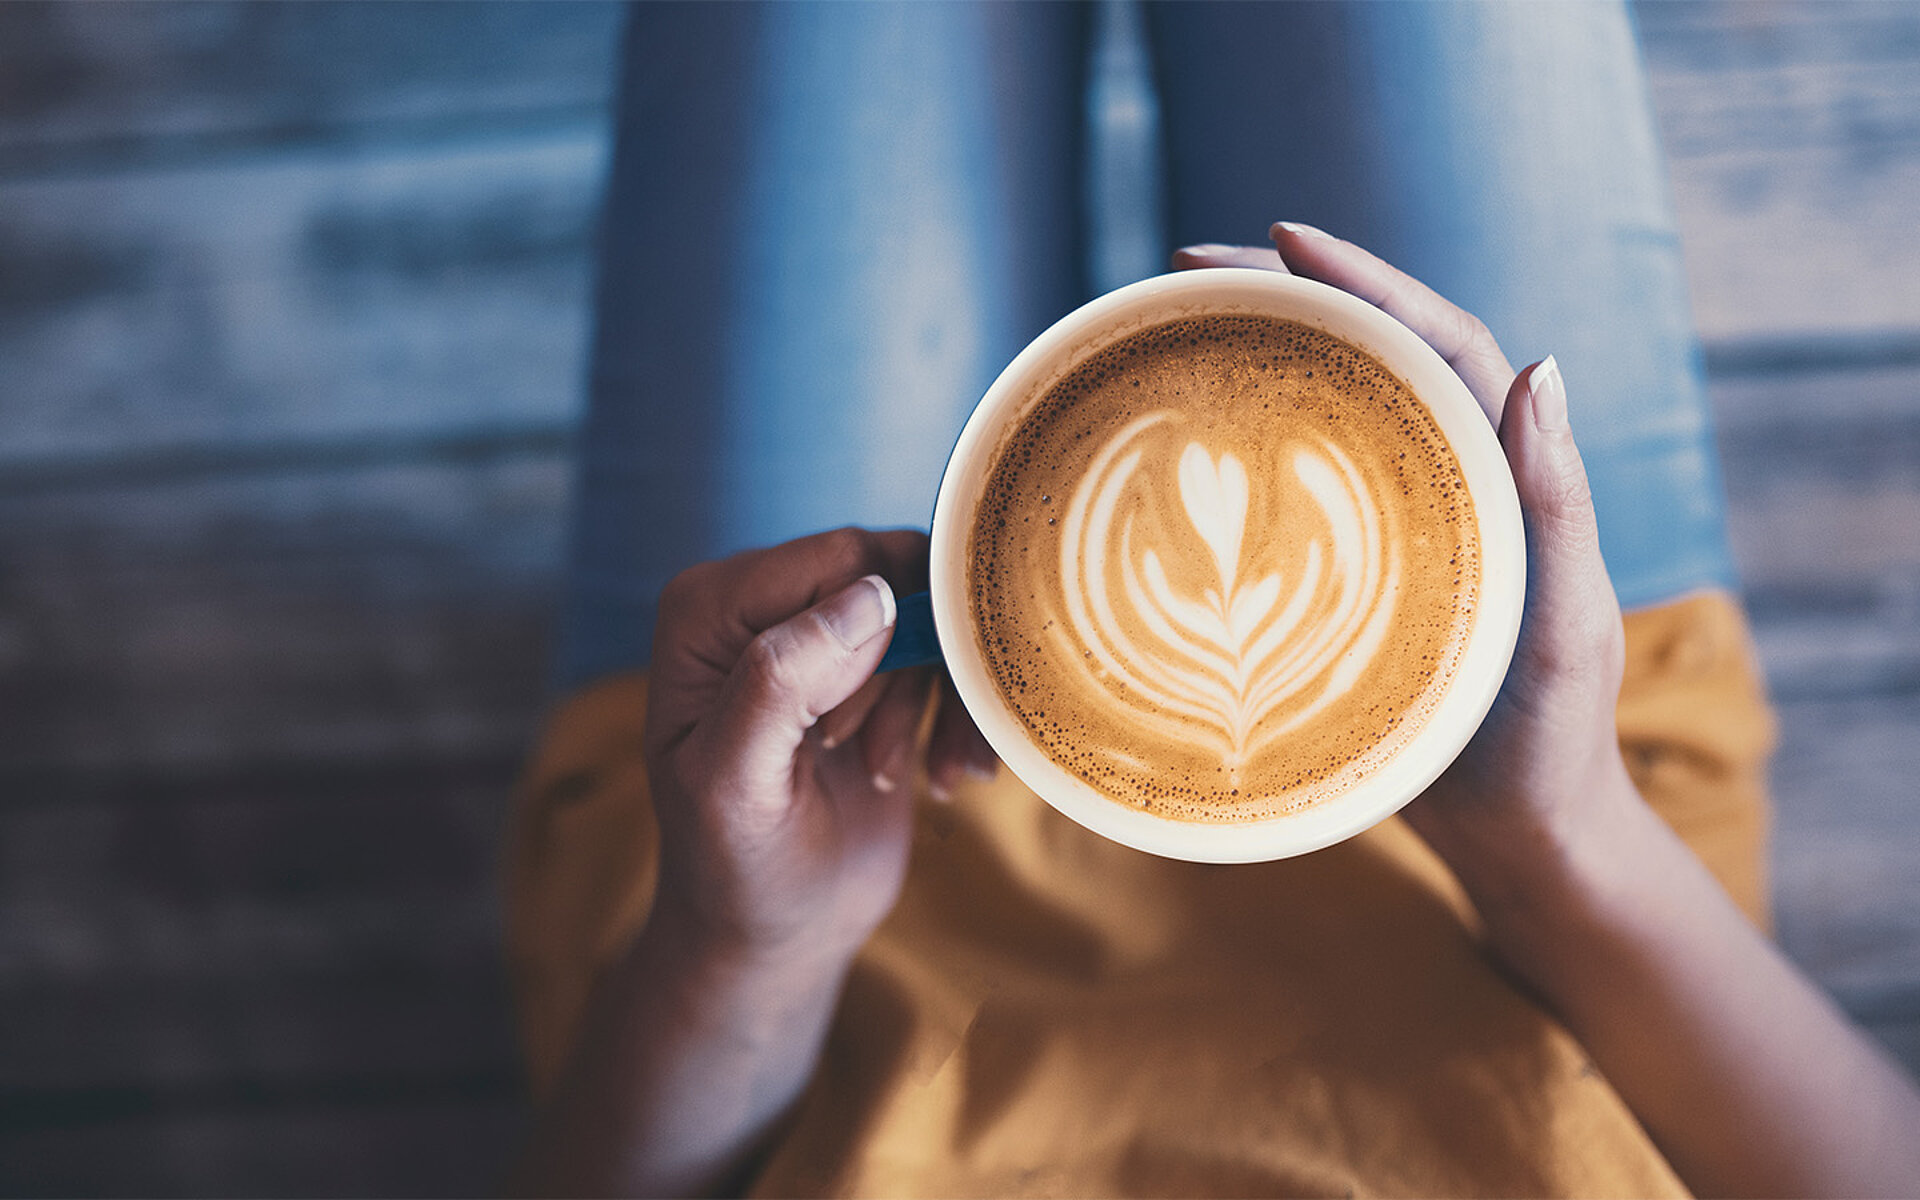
[1224, 568]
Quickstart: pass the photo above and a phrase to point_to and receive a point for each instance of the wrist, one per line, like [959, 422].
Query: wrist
[1536, 854]
[689, 1052]
[712, 971]
[681, 942]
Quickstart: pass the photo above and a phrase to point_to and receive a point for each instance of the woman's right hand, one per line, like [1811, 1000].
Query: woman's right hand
[777, 759]
[779, 768]
[1750, 1080]
[1546, 760]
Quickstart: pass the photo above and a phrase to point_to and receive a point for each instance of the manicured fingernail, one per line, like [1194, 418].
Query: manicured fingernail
[1299, 230]
[1207, 250]
[1549, 395]
[859, 611]
[984, 769]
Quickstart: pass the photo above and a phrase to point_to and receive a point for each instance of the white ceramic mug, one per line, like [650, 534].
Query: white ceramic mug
[1098, 324]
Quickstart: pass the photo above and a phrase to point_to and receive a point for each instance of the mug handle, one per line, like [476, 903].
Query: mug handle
[914, 643]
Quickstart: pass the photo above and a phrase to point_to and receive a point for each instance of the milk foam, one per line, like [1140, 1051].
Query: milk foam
[1252, 641]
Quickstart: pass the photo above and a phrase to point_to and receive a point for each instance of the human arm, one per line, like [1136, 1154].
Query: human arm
[1747, 1077]
[776, 762]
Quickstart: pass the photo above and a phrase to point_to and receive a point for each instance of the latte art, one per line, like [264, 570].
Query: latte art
[1253, 641]
[1223, 568]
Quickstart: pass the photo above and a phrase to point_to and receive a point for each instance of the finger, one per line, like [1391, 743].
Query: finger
[843, 722]
[1572, 615]
[1212, 254]
[709, 614]
[956, 748]
[765, 587]
[791, 675]
[887, 739]
[1456, 334]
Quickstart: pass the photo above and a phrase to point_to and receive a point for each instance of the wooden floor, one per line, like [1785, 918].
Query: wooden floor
[291, 319]
[292, 309]
[1794, 133]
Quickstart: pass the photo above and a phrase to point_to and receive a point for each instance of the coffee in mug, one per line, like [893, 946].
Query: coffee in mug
[1227, 565]
[1224, 567]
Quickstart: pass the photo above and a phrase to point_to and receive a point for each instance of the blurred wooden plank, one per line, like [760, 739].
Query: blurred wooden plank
[1899, 1034]
[1846, 772]
[1776, 34]
[1757, 75]
[1822, 473]
[1839, 514]
[418, 290]
[108, 1047]
[209, 976]
[402, 1142]
[369, 611]
[1795, 394]
[1859, 649]
[1794, 135]
[1815, 240]
[1846, 855]
[290, 323]
[88, 84]
[275, 929]
[157, 852]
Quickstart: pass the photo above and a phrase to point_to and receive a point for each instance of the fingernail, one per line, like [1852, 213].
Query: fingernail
[1207, 250]
[1299, 230]
[860, 611]
[1548, 392]
[887, 778]
[984, 769]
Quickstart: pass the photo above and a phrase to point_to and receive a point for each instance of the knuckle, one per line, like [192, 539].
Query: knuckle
[1473, 343]
[770, 666]
[1613, 652]
[1587, 646]
[1474, 334]
[1599, 631]
[1570, 500]
[679, 604]
[684, 589]
[1602, 659]
[849, 550]
[1394, 296]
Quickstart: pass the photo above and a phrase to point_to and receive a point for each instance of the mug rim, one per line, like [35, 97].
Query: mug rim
[1490, 641]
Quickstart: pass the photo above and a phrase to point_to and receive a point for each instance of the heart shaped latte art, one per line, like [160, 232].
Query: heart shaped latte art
[1255, 650]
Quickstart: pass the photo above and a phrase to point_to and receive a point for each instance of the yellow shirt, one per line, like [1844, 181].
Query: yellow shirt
[1047, 1012]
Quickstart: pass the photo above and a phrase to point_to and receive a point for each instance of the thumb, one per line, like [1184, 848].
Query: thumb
[794, 673]
[1572, 617]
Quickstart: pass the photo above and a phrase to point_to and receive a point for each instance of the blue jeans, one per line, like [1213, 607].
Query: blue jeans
[828, 227]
